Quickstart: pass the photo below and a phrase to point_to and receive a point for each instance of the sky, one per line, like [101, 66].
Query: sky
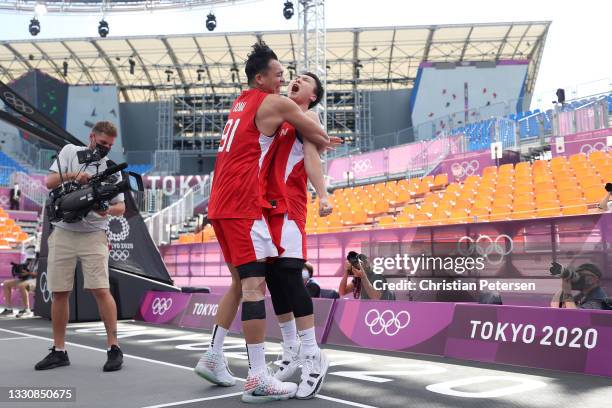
[576, 57]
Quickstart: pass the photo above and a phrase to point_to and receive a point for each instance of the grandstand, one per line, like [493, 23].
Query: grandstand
[366, 67]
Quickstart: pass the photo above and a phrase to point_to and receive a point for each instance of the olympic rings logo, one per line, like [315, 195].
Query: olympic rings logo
[360, 166]
[119, 254]
[486, 246]
[161, 305]
[16, 103]
[465, 168]
[387, 321]
[588, 149]
[44, 289]
[123, 233]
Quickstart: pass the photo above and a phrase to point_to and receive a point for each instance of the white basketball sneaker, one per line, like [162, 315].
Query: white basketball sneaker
[263, 387]
[213, 367]
[288, 364]
[314, 369]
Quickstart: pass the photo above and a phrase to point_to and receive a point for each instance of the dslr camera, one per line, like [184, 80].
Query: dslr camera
[356, 260]
[578, 280]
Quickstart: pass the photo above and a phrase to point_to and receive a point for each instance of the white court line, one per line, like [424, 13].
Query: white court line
[172, 404]
[341, 401]
[102, 350]
[14, 338]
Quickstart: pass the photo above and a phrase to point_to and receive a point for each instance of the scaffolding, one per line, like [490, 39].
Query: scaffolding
[312, 44]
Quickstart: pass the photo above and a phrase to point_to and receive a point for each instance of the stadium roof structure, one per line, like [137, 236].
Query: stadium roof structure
[153, 67]
[106, 6]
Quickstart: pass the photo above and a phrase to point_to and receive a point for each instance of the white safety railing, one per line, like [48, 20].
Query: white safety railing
[162, 224]
[589, 117]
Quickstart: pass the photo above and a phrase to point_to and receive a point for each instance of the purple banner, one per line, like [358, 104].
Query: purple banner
[362, 166]
[585, 142]
[164, 307]
[198, 311]
[171, 185]
[558, 339]
[201, 311]
[414, 156]
[406, 326]
[461, 165]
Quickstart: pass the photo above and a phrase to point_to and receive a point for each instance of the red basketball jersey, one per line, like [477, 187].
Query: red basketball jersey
[287, 184]
[243, 163]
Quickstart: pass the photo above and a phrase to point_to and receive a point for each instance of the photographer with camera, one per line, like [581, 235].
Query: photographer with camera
[24, 281]
[82, 238]
[586, 279]
[364, 279]
[606, 204]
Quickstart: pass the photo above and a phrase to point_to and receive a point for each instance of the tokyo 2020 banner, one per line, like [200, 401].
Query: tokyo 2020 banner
[559, 339]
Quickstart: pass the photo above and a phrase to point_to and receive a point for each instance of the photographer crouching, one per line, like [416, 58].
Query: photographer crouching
[365, 281]
[24, 281]
[82, 238]
[585, 279]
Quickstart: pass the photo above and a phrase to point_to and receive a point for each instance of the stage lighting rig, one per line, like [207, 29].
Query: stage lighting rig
[211, 22]
[288, 10]
[103, 28]
[34, 27]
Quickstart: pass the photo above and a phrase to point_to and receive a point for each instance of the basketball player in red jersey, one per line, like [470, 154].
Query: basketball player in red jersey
[237, 209]
[295, 160]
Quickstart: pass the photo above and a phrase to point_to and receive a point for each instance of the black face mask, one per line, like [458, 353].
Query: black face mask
[102, 150]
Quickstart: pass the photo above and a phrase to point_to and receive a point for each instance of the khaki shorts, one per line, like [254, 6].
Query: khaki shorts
[65, 247]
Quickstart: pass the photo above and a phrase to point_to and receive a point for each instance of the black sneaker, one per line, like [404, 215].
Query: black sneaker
[115, 359]
[7, 312]
[53, 360]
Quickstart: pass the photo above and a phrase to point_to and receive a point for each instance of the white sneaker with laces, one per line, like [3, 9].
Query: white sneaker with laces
[288, 364]
[25, 313]
[314, 369]
[213, 367]
[263, 387]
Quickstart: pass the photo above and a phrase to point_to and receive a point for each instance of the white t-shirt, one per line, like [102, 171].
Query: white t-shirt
[70, 163]
[609, 206]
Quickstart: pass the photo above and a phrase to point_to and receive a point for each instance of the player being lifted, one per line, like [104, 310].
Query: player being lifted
[295, 160]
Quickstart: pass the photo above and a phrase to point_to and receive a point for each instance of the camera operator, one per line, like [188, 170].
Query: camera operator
[586, 279]
[606, 204]
[24, 281]
[364, 279]
[85, 240]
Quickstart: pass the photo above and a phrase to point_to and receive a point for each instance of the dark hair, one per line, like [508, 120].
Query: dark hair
[318, 92]
[309, 268]
[590, 268]
[258, 60]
